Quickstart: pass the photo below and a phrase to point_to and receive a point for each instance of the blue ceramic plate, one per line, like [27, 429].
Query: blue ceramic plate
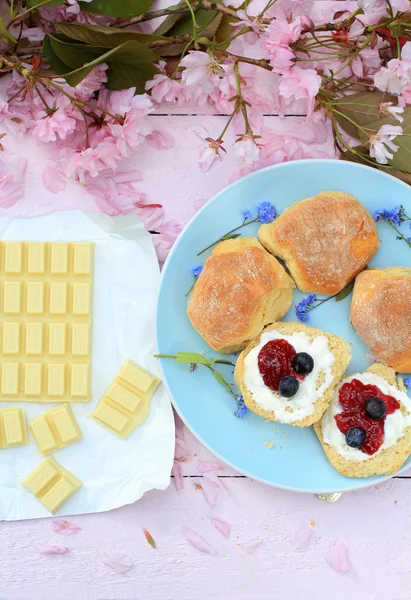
[297, 461]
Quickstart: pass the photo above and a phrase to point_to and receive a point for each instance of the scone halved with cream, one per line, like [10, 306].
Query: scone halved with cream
[325, 241]
[241, 288]
[367, 428]
[289, 373]
[381, 314]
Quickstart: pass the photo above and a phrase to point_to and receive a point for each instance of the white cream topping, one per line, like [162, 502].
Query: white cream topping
[394, 426]
[302, 404]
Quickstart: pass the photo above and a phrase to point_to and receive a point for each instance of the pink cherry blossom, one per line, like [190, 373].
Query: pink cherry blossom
[379, 141]
[247, 150]
[163, 88]
[132, 132]
[116, 194]
[91, 161]
[163, 242]
[58, 125]
[12, 178]
[91, 83]
[301, 83]
[404, 98]
[256, 25]
[388, 109]
[53, 179]
[201, 71]
[210, 153]
[282, 58]
[281, 32]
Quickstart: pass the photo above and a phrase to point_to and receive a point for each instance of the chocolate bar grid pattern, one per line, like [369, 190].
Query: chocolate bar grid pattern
[46, 320]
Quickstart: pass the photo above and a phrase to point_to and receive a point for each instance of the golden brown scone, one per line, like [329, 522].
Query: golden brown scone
[384, 462]
[241, 289]
[325, 241]
[341, 356]
[381, 314]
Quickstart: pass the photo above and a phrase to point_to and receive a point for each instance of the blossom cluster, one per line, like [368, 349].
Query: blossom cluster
[94, 135]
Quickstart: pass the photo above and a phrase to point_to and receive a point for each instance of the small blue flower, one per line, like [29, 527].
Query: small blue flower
[241, 408]
[247, 214]
[303, 307]
[266, 212]
[197, 270]
[381, 214]
[395, 215]
[407, 382]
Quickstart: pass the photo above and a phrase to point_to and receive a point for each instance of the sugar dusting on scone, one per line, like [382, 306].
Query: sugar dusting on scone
[289, 373]
[367, 428]
[381, 314]
[325, 241]
[241, 289]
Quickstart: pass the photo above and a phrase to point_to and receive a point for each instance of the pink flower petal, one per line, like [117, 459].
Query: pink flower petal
[181, 451]
[53, 179]
[207, 465]
[198, 542]
[213, 478]
[179, 427]
[64, 527]
[177, 472]
[210, 489]
[160, 140]
[120, 563]
[301, 538]
[251, 546]
[337, 558]
[51, 549]
[222, 527]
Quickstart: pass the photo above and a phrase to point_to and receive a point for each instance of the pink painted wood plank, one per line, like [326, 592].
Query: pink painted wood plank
[375, 525]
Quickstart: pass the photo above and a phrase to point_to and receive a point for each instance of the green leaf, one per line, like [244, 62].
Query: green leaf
[210, 30]
[170, 20]
[402, 157]
[231, 236]
[362, 107]
[130, 64]
[345, 292]
[33, 3]
[4, 33]
[57, 65]
[110, 37]
[117, 8]
[185, 24]
[192, 357]
[225, 29]
[221, 380]
[350, 157]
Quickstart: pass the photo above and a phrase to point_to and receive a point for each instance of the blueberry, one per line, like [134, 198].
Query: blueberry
[288, 387]
[302, 363]
[375, 408]
[355, 437]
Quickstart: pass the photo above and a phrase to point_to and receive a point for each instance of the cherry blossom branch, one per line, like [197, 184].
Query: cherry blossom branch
[263, 63]
[195, 6]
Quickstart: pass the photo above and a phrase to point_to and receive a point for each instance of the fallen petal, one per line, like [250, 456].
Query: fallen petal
[198, 542]
[64, 527]
[179, 425]
[149, 538]
[208, 465]
[120, 563]
[213, 477]
[51, 549]
[337, 558]
[251, 546]
[301, 538]
[181, 451]
[177, 472]
[222, 527]
[211, 490]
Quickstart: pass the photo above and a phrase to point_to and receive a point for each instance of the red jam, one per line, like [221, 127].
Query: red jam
[353, 397]
[274, 363]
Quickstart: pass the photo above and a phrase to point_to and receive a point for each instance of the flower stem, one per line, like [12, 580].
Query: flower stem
[225, 236]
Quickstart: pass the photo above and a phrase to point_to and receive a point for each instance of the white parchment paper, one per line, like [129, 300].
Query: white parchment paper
[114, 472]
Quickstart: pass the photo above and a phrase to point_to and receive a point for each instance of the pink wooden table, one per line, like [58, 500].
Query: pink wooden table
[261, 559]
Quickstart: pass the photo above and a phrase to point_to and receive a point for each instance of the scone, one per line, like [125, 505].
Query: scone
[369, 433]
[325, 241]
[241, 289]
[381, 314]
[289, 373]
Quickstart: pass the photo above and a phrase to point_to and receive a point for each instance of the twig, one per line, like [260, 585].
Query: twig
[257, 62]
[196, 6]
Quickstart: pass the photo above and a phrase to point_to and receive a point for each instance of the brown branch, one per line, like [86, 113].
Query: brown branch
[196, 6]
[257, 62]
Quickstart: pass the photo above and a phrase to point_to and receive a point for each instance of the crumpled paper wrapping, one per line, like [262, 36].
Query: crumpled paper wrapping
[114, 472]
